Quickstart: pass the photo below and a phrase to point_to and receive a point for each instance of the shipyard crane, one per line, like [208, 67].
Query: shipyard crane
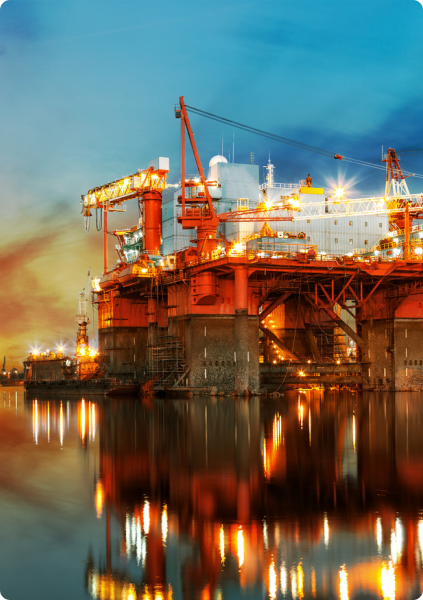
[400, 206]
[198, 211]
[146, 185]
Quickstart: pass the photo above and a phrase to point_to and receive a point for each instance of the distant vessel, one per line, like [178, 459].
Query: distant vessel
[82, 373]
[10, 378]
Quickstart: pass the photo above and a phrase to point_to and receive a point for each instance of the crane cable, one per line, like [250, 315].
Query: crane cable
[288, 141]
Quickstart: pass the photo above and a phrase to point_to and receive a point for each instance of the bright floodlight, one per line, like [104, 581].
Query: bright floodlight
[418, 250]
[339, 193]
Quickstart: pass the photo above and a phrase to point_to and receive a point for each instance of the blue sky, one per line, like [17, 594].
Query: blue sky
[87, 91]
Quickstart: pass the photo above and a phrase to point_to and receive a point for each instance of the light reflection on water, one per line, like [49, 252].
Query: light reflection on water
[207, 498]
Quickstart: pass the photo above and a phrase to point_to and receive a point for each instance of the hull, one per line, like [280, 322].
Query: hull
[78, 388]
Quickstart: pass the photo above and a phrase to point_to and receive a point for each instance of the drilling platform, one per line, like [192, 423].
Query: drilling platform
[224, 286]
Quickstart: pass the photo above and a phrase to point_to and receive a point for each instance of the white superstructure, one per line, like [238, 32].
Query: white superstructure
[340, 235]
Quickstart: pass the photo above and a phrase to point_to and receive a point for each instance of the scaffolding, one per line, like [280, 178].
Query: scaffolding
[331, 344]
[166, 362]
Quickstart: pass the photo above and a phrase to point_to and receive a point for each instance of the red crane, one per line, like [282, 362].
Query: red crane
[198, 211]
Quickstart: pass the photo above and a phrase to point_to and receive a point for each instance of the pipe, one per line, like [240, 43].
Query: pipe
[152, 202]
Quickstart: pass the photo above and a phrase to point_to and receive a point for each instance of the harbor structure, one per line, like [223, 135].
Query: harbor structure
[225, 284]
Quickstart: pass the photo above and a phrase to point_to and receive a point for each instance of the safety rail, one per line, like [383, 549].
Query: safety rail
[283, 186]
[257, 256]
[281, 249]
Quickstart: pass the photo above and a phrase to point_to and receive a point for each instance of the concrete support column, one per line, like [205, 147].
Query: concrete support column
[241, 331]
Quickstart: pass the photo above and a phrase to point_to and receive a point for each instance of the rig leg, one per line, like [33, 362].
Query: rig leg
[241, 331]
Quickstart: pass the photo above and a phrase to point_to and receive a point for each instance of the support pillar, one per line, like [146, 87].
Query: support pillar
[242, 355]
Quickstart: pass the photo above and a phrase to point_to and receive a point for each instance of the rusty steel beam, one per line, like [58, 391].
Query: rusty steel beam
[278, 342]
[274, 304]
[350, 332]
[388, 272]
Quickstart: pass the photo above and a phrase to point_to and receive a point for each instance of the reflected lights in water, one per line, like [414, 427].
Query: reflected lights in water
[300, 412]
[240, 546]
[61, 424]
[284, 579]
[49, 417]
[82, 431]
[265, 536]
[420, 535]
[140, 543]
[99, 498]
[343, 583]
[353, 431]
[273, 584]
[397, 540]
[294, 582]
[222, 544]
[388, 581]
[313, 582]
[277, 431]
[134, 540]
[146, 516]
[300, 573]
[265, 468]
[92, 421]
[164, 524]
[379, 534]
[259, 545]
[86, 414]
[399, 533]
[128, 536]
[110, 587]
[326, 529]
[35, 421]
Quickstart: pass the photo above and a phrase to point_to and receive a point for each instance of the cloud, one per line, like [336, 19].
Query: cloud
[43, 264]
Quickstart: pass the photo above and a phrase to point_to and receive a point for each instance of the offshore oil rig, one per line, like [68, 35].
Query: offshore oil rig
[226, 286]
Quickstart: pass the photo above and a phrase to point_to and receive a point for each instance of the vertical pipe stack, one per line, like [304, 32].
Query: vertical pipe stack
[152, 202]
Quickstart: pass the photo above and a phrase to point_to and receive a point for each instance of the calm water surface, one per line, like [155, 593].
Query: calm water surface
[309, 496]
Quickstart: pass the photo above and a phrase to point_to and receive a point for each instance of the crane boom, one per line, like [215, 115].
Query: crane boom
[125, 188]
[358, 207]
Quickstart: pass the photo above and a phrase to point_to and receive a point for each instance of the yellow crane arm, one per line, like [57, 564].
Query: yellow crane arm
[125, 188]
